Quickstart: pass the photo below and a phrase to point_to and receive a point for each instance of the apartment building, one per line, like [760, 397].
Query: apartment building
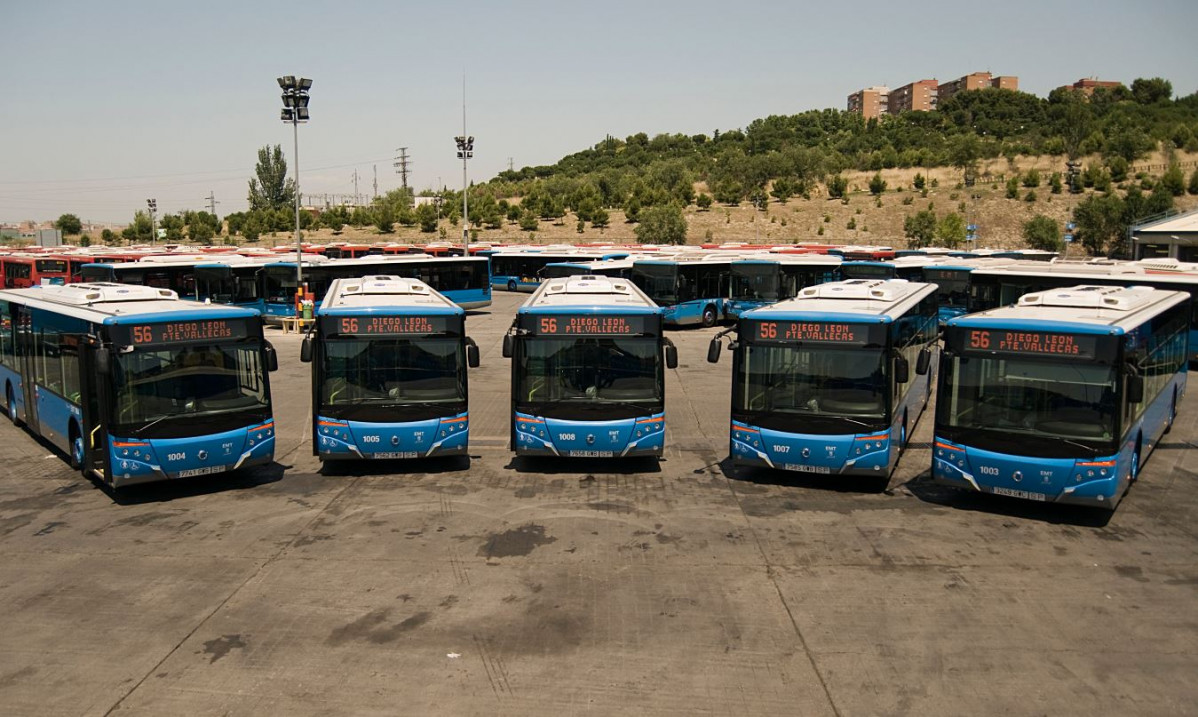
[921, 96]
[1087, 85]
[870, 102]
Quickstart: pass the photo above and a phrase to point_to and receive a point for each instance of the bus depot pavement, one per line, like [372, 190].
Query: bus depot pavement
[589, 587]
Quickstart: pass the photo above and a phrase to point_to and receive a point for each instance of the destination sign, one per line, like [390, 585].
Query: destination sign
[1020, 341]
[177, 332]
[390, 325]
[589, 325]
[819, 332]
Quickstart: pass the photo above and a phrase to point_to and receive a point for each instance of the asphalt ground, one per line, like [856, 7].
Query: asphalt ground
[504, 586]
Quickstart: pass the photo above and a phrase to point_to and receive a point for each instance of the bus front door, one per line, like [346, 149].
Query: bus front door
[95, 370]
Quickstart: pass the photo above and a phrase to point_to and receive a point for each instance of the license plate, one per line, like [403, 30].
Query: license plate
[386, 456]
[1026, 495]
[590, 454]
[804, 468]
[205, 471]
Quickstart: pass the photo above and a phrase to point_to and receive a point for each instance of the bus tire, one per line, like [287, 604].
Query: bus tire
[511, 285]
[12, 408]
[75, 444]
[1133, 472]
[1172, 412]
[709, 316]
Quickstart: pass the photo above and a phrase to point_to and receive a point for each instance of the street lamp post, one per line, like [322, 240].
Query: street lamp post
[465, 152]
[152, 205]
[295, 110]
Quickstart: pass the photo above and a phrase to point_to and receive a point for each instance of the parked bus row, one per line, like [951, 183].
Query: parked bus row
[1060, 397]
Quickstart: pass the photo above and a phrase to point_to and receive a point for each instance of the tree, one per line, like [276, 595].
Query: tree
[703, 201]
[951, 230]
[272, 189]
[1054, 183]
[661, 225]
[919, 182]
[1118, 167]
[1193, 188]
[1031, 180]
[1041, 232]
[920, 228]
[384, 217]
[172, 224]
[1173, 180]
[426, 215]
[85, 240]
[782, 190]
[109, 237]
[1150, 91]
[528, 221]
[877, 185]
[1013, 187]
[837, 186]
[600, 218]
[1099, 222]
[964, 152]
[69, 224]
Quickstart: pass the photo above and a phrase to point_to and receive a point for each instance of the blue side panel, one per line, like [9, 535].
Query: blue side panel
[9, 377]
[339, 439]
[948, 313]
[470, 298]
[54, 414]
[871, 454]
[690, 313]
[628, 437]
[735, 307]
[134, 460]
[517, 283]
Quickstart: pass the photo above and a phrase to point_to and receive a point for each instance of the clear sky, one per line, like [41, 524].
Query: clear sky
[107, 104]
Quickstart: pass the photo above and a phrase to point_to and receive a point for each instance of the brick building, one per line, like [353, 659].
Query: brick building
[1087, 85]
[920, 96]
[870, 102]
[978, 81]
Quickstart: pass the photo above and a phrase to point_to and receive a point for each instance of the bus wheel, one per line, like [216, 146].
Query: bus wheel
[1134, 472]
[76, 448]
[708, 317]
[511, 285]
[12, 409]
[1172, 412]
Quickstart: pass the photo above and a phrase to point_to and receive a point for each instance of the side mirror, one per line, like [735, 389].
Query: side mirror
[272, 358]
[924, 362]
[713, 351]
[902, 370]
[306, 350]
[1135, 389]
[507, 345]
[671, 356]
[472, 355]
[103, 361]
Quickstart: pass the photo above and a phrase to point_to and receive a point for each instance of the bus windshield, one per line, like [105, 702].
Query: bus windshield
[755, 282]
[1030, 407]
[658, 281]
[590, 378]
[211, 388]
[816, 390]
[953, 286]
[361, 376]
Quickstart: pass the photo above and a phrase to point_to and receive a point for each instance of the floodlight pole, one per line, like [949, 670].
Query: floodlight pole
[299, 264]
[465, 186]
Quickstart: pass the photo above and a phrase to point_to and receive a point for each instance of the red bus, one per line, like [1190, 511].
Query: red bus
[24, 271]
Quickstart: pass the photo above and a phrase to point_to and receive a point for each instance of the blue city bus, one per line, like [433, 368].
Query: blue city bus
[767, 279]
[135, 385]
[520, 269]
[690, 288]
[1003, 285]
[617, 268]
[588, 376]
[952, 279]
[389, 358]
[231, 279]
[834, 380]
[463, 280]
[909, 268]
[1063, 396]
